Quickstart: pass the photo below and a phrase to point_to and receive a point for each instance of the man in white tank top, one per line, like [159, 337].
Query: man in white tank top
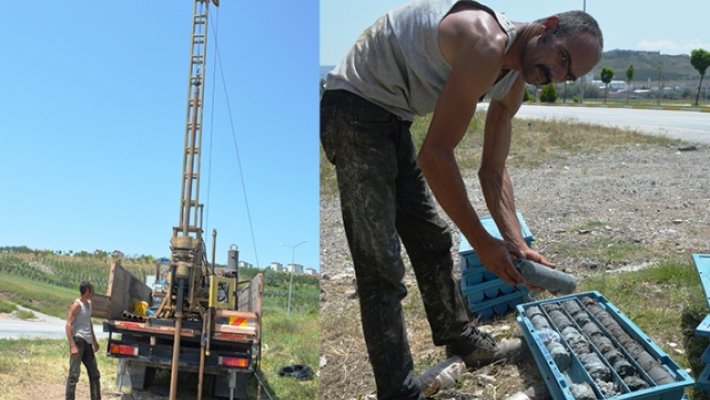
[82, 343]
[438, 56]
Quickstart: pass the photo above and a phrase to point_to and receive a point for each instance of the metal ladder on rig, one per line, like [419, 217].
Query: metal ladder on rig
[188, 262]
[190, 208]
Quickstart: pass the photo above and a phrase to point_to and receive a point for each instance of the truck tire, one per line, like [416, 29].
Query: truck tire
[298, 371]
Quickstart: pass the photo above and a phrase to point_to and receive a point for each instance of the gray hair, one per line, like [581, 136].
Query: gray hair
[573, 23]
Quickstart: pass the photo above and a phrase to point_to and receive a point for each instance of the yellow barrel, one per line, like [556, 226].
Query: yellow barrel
[140, 308]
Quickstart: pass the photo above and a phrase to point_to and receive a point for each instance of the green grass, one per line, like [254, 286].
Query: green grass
[7, 306]
[607, 250]
[291, 339]
[24, 314]
[64, 270]
[590, 225]
[27, 362]
[40, 296]
[652, 103]
[287, 340]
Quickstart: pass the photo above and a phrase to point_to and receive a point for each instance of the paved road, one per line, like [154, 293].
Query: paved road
[690, 126]
[43, 327]
[15, 329]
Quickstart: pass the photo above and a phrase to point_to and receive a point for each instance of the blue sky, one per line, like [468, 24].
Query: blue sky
[93, 110]
[675, 28]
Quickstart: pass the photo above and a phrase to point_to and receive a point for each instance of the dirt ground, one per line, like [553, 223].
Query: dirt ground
[108, 391]
[56, 391]
[658, 197]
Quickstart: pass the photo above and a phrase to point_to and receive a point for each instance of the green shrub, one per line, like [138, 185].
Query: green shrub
[6, 306]
[526, 94]
[548, 94]
[23, 314]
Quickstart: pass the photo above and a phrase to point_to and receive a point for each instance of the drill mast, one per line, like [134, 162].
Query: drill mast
[188, 259]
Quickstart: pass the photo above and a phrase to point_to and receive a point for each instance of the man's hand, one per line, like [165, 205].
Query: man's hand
[73, 350]
[96, 346]
[495, 254]
[532, 255]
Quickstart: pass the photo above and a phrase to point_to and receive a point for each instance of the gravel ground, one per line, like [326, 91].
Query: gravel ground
[653, 198]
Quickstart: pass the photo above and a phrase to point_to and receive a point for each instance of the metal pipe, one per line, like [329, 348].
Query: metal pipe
[214, 248]
[176, 339]
[208, 336]
[201, 372]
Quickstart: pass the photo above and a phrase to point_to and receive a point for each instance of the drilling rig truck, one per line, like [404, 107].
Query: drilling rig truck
[205, 322]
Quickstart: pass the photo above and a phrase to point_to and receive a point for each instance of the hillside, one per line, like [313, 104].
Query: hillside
[47, 282]
[673, 68]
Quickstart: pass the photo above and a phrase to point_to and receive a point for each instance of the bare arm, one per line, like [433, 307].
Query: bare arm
[493, 174]
[474, 47]
[71, 316]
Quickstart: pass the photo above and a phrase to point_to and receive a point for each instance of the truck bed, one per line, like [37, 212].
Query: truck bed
[235, 335]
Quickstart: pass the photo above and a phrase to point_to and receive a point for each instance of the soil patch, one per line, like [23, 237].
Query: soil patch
[623, 208]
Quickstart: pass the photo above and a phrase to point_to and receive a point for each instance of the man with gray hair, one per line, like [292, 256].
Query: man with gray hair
[82, 343]
[439, 56]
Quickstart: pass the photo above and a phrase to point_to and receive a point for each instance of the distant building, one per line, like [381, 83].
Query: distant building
[311, 271]
[295, 268]
[244, 264]
[614, 85]
[276, 266]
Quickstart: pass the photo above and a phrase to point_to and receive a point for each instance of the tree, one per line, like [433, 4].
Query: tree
[700, 59]
[548, 94]
[526, 95]
[629, 77]
[607, 76]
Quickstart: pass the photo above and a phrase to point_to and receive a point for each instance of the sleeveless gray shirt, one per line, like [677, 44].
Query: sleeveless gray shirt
[82, 322]
[396, 63]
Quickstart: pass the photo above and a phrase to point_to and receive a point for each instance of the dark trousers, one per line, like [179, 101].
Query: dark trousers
[88, 358]
[384, 198]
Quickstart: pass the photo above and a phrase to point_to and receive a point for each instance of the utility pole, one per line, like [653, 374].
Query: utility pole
[293, 267]
[581, 78]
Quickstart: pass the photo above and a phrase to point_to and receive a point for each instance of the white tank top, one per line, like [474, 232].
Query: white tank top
[82, 322]
[396, 63]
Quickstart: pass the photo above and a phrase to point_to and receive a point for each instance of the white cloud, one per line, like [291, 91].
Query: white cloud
[668, 46]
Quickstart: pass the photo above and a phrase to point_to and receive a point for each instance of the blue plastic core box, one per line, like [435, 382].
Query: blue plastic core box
[485, 294]
[585, 348]
[702, 265]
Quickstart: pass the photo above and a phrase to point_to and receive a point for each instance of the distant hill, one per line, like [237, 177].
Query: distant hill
[646, 64]
[674, 69]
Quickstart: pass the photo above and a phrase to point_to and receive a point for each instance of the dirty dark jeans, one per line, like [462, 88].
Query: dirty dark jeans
[88, 358]
[384, 198]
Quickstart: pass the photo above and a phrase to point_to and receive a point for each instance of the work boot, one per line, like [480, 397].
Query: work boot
[479, 348]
